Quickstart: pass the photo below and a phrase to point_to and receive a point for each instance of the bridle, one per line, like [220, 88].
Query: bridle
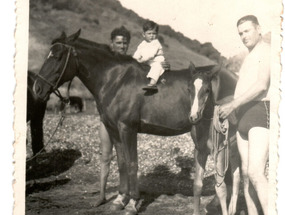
[55, 86]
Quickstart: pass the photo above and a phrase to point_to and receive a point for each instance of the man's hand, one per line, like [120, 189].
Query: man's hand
[165, 65]
[226, 109]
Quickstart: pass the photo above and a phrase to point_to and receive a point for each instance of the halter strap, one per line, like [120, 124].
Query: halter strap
[55, 86]
[64, 67]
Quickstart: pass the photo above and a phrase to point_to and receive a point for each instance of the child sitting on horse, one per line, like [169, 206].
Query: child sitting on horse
[150, 52]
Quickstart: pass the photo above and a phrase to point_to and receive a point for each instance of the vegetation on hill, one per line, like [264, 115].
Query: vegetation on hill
[97, 19]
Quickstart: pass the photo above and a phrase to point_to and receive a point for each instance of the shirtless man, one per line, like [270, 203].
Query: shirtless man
[251, 105]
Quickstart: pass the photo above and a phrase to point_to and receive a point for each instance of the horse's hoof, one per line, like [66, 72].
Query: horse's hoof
[99, 202]
[116, 207]
[119, 203]
[132, 208]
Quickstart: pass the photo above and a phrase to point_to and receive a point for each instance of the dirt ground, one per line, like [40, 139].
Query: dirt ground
[65, 179]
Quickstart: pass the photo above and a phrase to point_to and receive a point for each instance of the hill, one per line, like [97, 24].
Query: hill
[96, 19]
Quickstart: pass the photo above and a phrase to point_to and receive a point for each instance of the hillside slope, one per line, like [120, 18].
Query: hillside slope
[97, 19]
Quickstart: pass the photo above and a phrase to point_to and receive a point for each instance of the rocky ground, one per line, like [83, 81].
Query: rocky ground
[65, 179]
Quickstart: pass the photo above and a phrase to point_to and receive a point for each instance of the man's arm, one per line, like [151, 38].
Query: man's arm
[259, 87]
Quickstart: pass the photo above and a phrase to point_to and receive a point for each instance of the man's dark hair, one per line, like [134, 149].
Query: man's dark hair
[251, 18]
[150, 25]
[122, 31]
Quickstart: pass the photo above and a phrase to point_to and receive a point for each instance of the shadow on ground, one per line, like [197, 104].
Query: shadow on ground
[52, 163]
[44, 186]
[161, 181]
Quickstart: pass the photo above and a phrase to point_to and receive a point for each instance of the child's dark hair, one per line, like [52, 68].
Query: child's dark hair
[150, 25]
[251, 18]
[122, 31]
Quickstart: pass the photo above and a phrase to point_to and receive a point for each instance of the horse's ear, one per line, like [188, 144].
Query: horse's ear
[191, 66]
[62, 37]
[215, 71]
[74, 36]
[215, 81]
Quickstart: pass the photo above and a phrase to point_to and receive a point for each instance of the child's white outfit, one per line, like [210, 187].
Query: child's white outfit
[152, 54]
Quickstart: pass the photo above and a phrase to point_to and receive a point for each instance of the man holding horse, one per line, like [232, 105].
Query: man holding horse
[251, 105]
[120, 40]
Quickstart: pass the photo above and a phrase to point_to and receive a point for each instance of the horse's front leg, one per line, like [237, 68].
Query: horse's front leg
[235, 171]
[221, 187]
[123, 197]
[129, 141]
[36, 124]
[200, 162]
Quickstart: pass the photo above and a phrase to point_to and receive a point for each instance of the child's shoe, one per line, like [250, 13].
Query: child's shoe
[150, 87]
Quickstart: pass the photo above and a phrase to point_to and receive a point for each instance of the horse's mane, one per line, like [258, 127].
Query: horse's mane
[102, 49]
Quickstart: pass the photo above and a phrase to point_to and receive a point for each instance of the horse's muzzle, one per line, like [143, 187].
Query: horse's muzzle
[38, 92]
[194, 119]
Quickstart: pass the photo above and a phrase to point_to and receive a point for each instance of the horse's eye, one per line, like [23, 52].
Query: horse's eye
[57, 55]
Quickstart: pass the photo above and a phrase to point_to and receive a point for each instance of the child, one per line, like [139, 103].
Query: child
[150, 51]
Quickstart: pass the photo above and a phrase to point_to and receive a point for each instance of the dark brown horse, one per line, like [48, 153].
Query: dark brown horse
[116, 83]
[35, 114]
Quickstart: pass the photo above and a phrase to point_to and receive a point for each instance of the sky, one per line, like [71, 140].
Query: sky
[209, 20]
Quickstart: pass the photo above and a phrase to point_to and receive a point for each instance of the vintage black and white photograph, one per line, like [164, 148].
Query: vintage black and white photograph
[165, 107]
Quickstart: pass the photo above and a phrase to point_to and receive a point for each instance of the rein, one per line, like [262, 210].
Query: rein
[66, 102]
[220, 128]
[62, 117]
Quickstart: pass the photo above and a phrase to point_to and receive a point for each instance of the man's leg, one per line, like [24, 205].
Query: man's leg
[249, 193]
[106, 157]
[257, 157]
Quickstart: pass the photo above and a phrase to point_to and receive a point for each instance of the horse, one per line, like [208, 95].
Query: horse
[116, 83]
[35, 114]
[222, 87]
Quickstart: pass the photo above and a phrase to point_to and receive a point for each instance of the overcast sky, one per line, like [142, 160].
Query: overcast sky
[208, 20]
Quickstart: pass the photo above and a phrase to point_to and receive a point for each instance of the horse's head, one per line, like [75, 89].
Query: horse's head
[60, 66]
[200, 88]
